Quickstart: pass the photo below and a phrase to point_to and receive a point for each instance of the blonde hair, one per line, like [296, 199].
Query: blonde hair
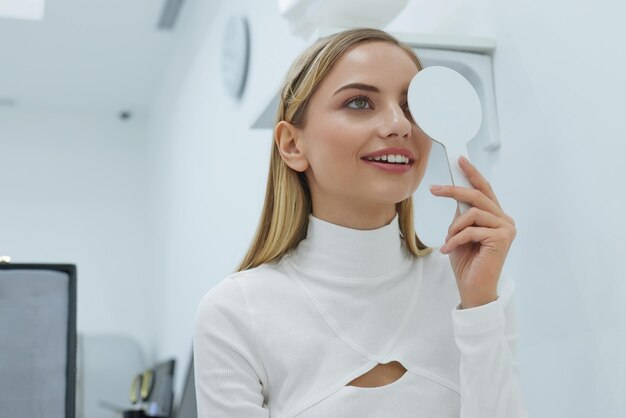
[284, 218]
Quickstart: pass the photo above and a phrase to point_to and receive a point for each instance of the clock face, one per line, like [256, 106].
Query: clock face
[235, 55]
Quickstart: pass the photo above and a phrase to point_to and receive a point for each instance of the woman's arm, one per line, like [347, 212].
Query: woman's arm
[228, 370]
[487, 337]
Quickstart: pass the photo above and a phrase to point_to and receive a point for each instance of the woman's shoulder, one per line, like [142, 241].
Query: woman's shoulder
[238, 288]
[268, 275]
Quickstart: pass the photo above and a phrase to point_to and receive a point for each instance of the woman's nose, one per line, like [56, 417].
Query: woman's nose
[395, 122]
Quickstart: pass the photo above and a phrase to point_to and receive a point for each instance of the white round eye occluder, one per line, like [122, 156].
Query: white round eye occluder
[435, 93]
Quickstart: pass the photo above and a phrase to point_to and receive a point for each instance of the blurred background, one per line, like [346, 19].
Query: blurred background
[127, 147]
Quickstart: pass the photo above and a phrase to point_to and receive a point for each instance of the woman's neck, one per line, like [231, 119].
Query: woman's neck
[336, 250]
[361, 218]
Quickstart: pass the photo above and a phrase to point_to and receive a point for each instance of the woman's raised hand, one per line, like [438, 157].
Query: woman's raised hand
[478, 241]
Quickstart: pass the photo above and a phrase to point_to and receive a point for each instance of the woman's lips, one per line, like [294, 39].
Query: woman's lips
[391, 151]
[390, 167]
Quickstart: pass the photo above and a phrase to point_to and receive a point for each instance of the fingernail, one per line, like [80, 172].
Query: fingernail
[465, 160]
[435, 188]
[443, 249]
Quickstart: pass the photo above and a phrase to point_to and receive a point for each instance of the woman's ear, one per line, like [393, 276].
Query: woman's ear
[291, 146]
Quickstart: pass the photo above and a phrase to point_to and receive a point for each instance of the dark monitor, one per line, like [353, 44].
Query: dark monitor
[159, 402]
[188, 408]
[37, 340]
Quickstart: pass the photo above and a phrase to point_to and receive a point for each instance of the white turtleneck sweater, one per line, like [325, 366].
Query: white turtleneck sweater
[284, 339]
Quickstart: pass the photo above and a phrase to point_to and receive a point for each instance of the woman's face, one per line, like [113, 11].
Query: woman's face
[360, 109]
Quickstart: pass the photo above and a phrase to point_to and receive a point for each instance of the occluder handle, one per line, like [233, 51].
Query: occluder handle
[457, 174]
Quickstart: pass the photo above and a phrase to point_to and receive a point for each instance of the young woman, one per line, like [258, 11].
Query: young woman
[338, 309]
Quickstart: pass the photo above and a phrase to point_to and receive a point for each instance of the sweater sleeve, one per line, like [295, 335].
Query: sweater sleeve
[487, 338]
[228, 370]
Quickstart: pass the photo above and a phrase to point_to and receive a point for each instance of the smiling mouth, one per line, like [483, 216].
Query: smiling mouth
[392, 161]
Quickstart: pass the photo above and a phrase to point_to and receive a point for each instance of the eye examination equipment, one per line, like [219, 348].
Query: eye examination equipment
[446, 107]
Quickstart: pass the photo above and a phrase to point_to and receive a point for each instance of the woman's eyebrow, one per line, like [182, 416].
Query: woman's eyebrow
[360, 86]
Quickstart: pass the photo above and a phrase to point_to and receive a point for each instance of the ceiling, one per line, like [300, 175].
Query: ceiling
[100, 55]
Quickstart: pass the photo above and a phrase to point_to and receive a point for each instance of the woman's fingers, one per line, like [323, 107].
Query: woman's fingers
[477, 180]
[481, 196]
[474, 197]
[488, 237]
[475, 217]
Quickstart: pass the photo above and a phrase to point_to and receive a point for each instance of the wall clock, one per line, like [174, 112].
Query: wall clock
[235, 55]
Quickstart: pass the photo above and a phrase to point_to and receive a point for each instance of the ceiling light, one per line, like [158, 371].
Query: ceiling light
[22, 9]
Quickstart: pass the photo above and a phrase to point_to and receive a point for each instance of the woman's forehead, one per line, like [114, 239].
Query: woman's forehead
[372, 63]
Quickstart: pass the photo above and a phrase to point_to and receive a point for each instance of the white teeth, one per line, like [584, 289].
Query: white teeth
[398, 159]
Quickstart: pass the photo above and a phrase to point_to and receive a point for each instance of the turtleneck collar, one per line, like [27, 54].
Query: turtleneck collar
[342, 251]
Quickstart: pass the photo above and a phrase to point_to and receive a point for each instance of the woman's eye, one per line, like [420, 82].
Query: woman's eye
[358, 103]
[408, 112]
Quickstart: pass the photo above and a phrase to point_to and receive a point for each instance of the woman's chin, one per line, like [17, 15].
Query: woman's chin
[390, 198]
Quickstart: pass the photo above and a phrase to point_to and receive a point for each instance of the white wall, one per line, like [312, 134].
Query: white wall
[568, 100]
[73, 190]
[560, 93]
[209, 168]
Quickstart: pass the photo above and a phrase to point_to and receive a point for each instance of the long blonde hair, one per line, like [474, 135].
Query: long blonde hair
[284, 219]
